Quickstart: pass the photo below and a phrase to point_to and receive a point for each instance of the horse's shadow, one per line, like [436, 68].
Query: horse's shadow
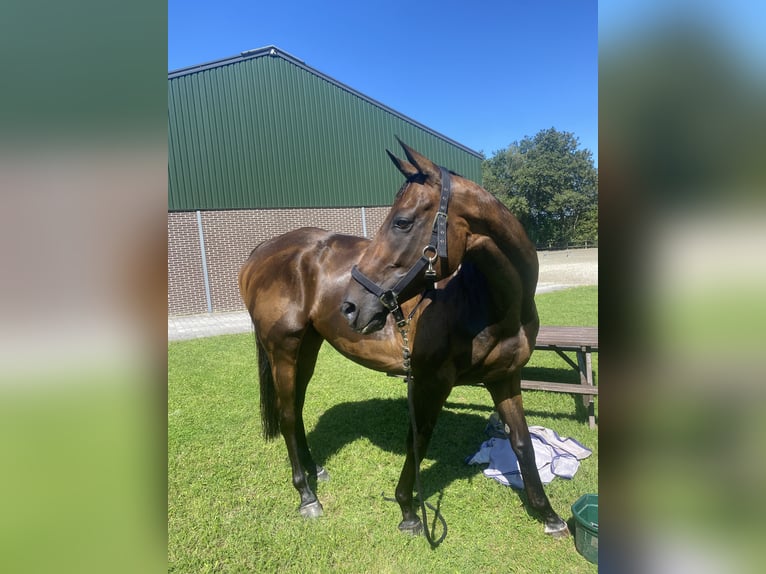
[385, 422]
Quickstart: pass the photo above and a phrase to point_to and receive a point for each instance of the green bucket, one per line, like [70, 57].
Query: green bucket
[585, 512]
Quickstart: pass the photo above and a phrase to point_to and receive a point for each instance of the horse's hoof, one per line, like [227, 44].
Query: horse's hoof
[557, 529]
[311, 510]
[411, 527]
[322, 474]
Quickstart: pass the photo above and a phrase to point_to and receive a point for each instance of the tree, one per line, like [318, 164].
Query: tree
[549, 184]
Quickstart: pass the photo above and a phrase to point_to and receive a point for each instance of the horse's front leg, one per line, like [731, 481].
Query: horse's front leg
[427, 405]
[411, 522]
[509, 405]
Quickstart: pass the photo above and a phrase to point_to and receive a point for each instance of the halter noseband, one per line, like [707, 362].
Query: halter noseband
[437, 247]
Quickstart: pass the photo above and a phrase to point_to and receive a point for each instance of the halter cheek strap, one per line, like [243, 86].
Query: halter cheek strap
[439, 232]
[437, 247]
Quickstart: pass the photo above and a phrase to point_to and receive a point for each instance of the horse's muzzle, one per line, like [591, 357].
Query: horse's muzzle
[363, 322]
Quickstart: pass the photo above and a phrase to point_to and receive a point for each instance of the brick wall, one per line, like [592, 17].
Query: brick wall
[186, 284]
[229, 238]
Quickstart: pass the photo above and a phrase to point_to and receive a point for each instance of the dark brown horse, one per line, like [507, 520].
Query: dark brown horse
[477, 323]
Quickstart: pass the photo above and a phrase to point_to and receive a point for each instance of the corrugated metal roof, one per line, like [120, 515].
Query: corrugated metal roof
[263, 130]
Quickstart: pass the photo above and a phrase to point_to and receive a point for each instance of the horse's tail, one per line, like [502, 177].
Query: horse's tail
[269, 409]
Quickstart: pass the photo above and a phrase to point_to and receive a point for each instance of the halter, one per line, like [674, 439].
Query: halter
[437, 247]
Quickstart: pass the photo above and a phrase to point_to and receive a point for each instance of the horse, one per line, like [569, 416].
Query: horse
[445, 239]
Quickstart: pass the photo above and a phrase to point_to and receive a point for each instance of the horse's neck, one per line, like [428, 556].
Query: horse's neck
[501, 250]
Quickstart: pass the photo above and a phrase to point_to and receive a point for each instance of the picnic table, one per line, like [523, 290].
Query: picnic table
[583, 341]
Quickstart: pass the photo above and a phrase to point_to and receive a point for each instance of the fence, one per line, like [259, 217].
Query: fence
[552, 246]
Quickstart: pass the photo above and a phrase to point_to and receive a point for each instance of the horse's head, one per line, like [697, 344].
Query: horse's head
[413, 248]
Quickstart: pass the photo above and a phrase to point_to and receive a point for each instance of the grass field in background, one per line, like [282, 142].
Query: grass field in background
[232, 507]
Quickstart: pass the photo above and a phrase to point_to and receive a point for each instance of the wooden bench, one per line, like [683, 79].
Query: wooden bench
[582, 341]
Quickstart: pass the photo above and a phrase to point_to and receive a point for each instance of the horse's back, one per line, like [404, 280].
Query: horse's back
[282, 278]
[288, 248]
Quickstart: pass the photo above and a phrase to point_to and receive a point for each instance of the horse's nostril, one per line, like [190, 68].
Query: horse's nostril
[348, 309]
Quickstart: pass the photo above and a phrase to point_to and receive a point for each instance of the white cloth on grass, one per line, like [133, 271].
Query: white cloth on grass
[555, 456]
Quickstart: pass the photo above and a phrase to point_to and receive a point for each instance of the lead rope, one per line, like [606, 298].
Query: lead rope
[406, 353]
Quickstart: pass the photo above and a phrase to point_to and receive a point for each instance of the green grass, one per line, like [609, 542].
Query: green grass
[232, 507]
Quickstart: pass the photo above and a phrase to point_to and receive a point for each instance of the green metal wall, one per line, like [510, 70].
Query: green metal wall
[267, 131]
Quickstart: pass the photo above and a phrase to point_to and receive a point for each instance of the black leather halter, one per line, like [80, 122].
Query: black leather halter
[437, 247]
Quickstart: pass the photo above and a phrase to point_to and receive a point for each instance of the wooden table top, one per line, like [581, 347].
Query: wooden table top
[571, 338]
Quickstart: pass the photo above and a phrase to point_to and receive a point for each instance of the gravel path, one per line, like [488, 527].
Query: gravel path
[561, 269]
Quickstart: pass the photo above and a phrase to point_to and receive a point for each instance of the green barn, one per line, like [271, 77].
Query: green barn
[261, 143]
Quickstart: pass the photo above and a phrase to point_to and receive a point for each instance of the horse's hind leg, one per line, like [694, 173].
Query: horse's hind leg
[307, 358]
[291, 379]
[507, 398]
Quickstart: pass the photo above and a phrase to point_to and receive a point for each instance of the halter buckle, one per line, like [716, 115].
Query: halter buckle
[389, 301]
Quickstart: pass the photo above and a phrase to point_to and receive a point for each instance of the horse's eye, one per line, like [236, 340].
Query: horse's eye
[403, 224]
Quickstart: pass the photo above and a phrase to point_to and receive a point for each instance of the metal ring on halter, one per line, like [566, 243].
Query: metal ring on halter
[432, 249]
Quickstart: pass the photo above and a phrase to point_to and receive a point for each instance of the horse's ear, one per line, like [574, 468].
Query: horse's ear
[424, 165]
[408, 170]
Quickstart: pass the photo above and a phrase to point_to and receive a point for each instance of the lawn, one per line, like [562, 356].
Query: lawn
[232, 507]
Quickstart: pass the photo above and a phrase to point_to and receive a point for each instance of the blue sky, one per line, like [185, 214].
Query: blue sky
[482, 73]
